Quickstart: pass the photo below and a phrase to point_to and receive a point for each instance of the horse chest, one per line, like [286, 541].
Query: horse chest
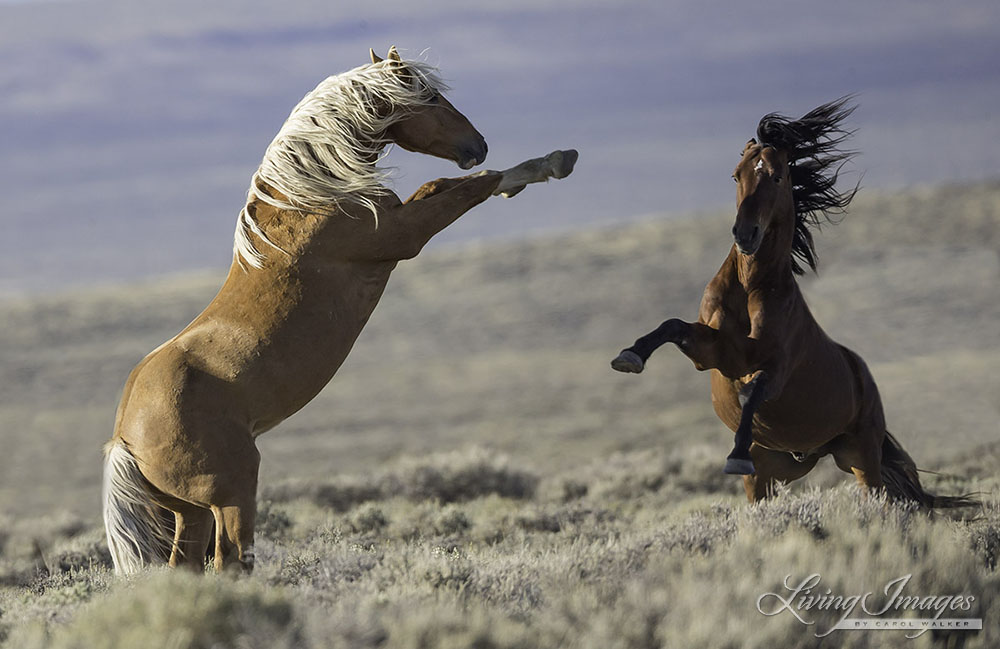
[309, 322]
[329, 315]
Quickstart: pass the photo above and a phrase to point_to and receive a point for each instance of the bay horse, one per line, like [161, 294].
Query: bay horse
[314, 247]
[789, 392]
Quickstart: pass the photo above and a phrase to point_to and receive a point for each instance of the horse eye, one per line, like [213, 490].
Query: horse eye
[735, 179]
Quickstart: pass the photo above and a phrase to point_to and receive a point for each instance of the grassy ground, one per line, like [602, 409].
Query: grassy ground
[466, 549]
[477, 476]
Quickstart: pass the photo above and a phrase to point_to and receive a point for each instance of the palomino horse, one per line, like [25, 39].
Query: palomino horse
[790, 393]
[314, 248]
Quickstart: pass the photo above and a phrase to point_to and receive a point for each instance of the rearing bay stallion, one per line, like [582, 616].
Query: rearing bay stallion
[313, 250]
[791, 394]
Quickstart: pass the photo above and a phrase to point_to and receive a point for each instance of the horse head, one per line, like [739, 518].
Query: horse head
[436, 127]
[763, 195]
[787, 179]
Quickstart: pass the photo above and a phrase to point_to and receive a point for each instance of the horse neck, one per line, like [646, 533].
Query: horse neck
[772, 263]
[287, 228]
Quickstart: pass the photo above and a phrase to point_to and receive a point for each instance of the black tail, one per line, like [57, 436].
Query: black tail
[899, 474]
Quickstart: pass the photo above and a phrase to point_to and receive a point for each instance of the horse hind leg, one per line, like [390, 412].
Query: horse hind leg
[773, 467]
[859, 450]
[234, 535]
[192, 534]
[860, 453]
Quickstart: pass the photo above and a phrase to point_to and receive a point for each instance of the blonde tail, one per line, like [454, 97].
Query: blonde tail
[137, 535]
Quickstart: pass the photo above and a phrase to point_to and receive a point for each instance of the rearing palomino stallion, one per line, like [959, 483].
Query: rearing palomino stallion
[790, 393]
[314, 248]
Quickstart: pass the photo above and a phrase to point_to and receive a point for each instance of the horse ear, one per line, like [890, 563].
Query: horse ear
[375, 57]
[393, 54]
[751, 142]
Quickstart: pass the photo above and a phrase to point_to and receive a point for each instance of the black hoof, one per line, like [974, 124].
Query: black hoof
[738, 466]
[565, 163]
[628, 361]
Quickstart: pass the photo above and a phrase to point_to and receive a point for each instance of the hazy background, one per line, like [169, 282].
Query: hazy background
[129, 130]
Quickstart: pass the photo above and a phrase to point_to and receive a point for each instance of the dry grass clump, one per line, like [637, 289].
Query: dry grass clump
[627, 563]
[49, 545]
[444, 477]
[174, 609]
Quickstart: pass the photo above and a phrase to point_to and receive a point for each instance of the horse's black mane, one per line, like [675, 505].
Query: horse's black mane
[812, 143]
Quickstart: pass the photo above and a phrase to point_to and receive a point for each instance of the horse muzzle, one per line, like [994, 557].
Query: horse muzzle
[473, 154]
[747, 239]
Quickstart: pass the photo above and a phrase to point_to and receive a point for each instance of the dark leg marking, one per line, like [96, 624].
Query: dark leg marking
[751, 396]
[633, 359]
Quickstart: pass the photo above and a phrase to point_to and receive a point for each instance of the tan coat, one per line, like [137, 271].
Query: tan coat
[271, 339]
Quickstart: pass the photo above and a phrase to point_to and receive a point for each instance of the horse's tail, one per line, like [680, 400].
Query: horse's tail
[137, 533]
[899, 475]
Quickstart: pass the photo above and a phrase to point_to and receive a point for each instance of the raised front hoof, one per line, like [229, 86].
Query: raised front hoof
[628, 361]
[562, 162]
[738, 466]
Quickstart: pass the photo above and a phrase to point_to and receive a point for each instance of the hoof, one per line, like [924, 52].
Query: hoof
[563, 162]
[738, 466]
[628, 361]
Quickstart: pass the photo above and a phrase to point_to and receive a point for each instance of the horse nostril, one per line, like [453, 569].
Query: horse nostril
[475, 152]
[734, 230]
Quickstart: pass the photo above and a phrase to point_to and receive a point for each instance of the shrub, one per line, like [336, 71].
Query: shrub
[174, 609]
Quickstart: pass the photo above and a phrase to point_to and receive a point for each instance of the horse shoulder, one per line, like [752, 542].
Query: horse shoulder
[359, 235]
[777, 311]
[723, 298]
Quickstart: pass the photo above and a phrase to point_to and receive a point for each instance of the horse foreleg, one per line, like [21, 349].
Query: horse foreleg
[708, 350]
[704, 345]
[739, 461]
[557, 164]
[633, 359]
[436, 187]
[405, 229]
[439, 203]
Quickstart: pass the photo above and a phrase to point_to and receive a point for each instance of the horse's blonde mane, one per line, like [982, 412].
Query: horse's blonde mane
[326, 151]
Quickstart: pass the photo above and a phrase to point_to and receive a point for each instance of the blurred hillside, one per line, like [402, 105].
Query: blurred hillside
[507, 346]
